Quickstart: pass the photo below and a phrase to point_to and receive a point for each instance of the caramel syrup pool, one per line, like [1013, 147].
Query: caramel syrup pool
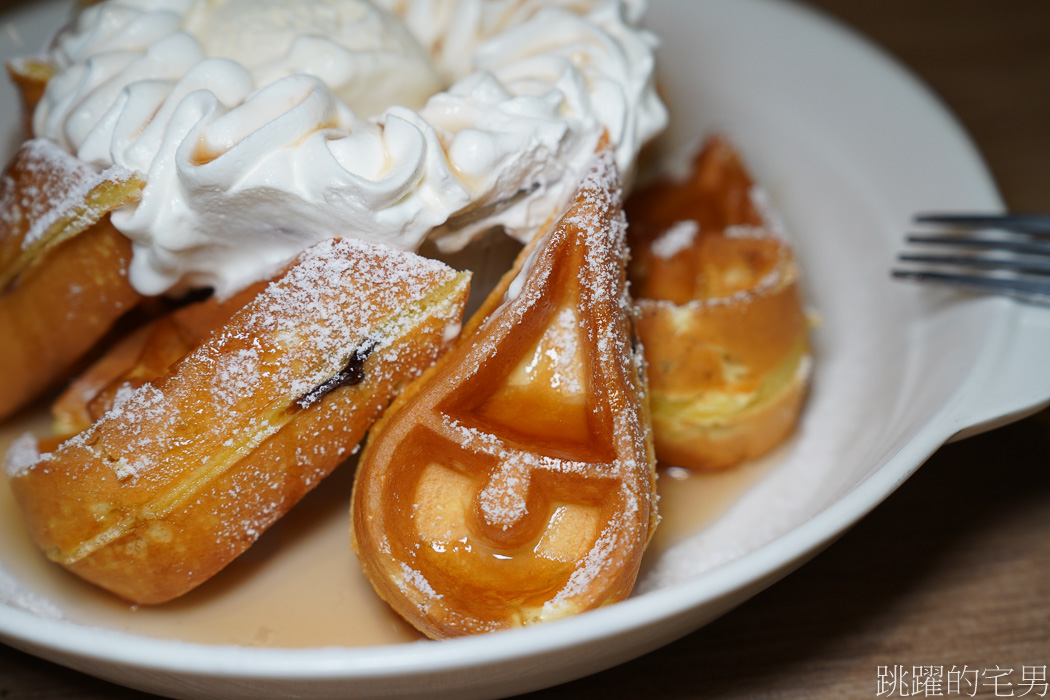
[300, 585]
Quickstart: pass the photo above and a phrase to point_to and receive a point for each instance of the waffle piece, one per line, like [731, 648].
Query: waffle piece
[513, 483]
[140, 357]
[187, 471]
[30, 76]
[63, 267]
[721, 316]
[47, 197]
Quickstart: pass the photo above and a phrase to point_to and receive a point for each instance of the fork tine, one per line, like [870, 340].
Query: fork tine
[1008, 244]
[1034, 292]
[1014, 260]
[1035, 224]
[1039, 266]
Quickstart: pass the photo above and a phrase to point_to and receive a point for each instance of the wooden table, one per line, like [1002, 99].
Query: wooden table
[954, 568]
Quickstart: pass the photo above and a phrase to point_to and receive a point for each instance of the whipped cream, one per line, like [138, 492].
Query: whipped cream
[264, 126]
[361, 53]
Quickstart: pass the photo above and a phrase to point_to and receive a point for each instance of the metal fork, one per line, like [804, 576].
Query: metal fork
[995, 254]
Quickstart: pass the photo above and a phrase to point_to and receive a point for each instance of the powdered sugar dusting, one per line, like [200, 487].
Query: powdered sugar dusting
[413, 580]
[60, 189]
[21, 455]
[603, 555]
[674, 240]
[13, 593]
[293, 337]
[775, 278]
[502, 501]
[769, 212]
[141, 409]
[556, 357]
[745, 231]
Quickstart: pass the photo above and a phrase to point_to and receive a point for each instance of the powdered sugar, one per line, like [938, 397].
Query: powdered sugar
[61, 189]
[502, 502]
[411, 579]
[678, 237]
[293, 337]
[21, 455]
[779, 274]
[769, 212]
[13, 593]
[140, 410]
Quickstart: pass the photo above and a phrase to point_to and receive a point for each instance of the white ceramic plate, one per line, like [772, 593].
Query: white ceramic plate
[849, 146]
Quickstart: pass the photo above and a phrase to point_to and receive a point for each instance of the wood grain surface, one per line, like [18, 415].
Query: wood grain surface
[953, 569]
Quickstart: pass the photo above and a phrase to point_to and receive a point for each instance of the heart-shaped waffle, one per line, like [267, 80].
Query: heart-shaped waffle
[513, 483]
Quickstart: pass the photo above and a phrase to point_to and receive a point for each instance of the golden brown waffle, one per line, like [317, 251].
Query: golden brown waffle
[186, 471]
[63, 267]
[140, 357]
[721, 316]
[30, 76]
[513, 483]
[47, 197]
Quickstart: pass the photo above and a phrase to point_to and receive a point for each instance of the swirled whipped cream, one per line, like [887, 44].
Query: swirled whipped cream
[264, 126]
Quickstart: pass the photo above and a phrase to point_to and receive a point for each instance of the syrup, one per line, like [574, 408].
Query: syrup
[300, 585]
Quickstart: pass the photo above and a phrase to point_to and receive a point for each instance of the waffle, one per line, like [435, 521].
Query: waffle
[141, 356]
[63, 267]
[513, 483]
[720, 314]
[187, 470]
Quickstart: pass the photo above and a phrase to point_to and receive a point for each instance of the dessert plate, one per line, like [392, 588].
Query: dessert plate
[848, 146]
